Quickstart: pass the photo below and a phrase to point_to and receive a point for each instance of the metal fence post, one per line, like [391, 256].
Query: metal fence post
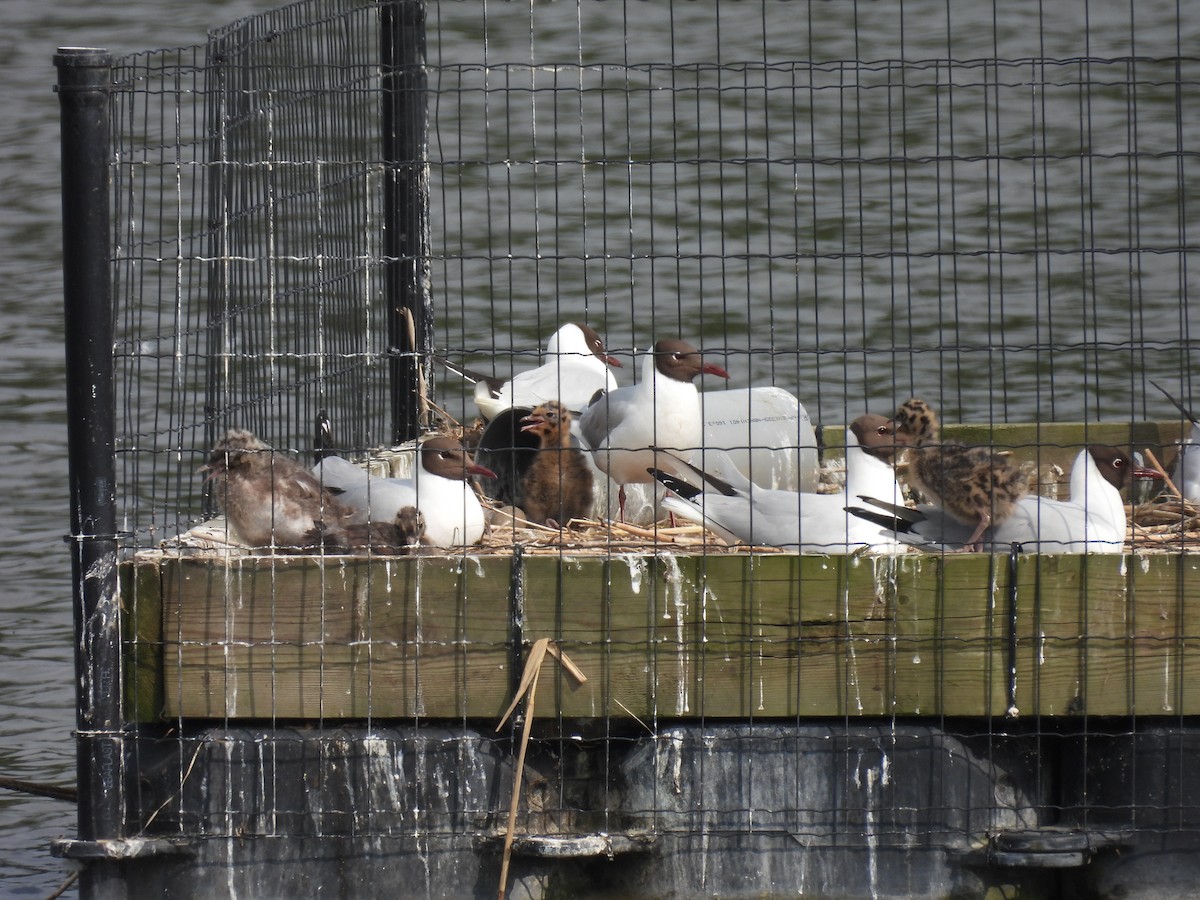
[405, 126]
[84, 76]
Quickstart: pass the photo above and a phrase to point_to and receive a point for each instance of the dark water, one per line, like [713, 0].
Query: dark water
[36, 662]
[36, 701]
[957, 230]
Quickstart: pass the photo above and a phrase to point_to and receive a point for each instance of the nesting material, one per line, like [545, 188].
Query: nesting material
[1165, 524]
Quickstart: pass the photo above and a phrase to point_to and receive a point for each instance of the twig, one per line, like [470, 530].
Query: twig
[53, 791]
[178, 793]
[452, 422]
[528, 689]
[642, 532]
[1170, 537]
[565, 661]
[1163, 472]
[71, 879]
[682, 530]
[410, 326]
[633, 715]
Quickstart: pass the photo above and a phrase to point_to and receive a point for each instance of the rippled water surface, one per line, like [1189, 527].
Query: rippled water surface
[36, 708]
[36, 662]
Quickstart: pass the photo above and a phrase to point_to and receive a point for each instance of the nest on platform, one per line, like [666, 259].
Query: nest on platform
[593, 537]
[1165, 522]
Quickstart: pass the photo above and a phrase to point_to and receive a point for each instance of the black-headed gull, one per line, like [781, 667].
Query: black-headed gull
[576, 367]
[731, 506]
[270, 499]
[662, 410]
[1092, 521]
[972, 484]
[871, 450]
[439, 488]
[557, 486]
[1187, 463]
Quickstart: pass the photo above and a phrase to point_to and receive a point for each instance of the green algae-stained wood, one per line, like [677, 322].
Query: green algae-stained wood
[663, 636]
[671, 636]
[1060, 442]
[292, 637]
[797, 635]
[1165, 627]
[773, 635]
[1109, 635]
[777, 634]
[951, 645]
[624, 622]
[141, 606]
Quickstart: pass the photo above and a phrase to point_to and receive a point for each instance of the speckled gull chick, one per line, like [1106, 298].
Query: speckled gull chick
[973, 485]
[1093, 520]
[399, 536]
[557, 486]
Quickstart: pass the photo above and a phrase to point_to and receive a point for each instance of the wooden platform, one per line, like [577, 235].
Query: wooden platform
[669, 631]
[668, 636]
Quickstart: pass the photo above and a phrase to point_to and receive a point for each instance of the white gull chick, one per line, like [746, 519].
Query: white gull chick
[661, 411]
[576, 367]
[738, 510]
[1187, 464]
[439, 489]
[1092, 521]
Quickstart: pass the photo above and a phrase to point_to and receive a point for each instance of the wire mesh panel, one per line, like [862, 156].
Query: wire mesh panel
[899, 220]
[295, 285]
[249, 261]
[338, 222]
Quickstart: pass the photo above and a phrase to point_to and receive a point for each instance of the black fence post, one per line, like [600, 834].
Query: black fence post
[84, 76]
[406, 239]
[218, 111]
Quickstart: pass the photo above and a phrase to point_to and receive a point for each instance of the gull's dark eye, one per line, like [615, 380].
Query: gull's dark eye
[1118, 462]
[882, 429]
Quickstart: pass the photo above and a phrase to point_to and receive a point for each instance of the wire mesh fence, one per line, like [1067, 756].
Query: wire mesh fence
[340, 224]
